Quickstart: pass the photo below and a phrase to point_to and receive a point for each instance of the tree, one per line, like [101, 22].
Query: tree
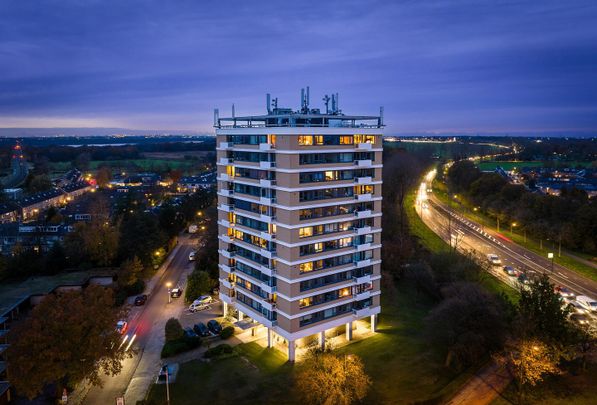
[99, 239]
[328, 379]
[541, 309]
[103, 176]
[39, 183]
[56, 259]
[129, 272]
[468, 323]
[69, 337]
[528, 360]
[462, 174]
[198, 283]
[173, 330]
[141, 236]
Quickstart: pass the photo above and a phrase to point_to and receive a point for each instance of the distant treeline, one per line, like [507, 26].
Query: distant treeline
[570, 217]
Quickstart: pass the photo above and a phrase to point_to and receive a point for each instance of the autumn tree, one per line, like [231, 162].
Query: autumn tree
[173, 330]
[326, 378]
[67, 338]
[528, 361]
[130, 271]
[198, 283]
[103, 176]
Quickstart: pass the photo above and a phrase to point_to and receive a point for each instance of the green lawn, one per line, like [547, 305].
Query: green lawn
[509, 165]
[465, 208]
[124, 164]
[403, 366]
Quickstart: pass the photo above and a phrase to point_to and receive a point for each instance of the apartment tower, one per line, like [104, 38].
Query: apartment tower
[299, 216]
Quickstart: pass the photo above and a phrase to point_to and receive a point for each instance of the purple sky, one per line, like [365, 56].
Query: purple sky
[436, 66]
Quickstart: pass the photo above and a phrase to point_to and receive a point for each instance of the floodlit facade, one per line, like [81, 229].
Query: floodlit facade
[299, 216]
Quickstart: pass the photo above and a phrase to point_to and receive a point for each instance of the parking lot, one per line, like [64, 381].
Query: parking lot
[213, 311]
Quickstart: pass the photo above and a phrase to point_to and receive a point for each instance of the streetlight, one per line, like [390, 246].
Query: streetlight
[512, 225]
[550, 256]
[169, 285]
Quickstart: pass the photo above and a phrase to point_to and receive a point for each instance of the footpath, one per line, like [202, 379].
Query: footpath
[482, 388]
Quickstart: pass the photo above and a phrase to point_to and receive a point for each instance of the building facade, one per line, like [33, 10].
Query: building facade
[299, 216]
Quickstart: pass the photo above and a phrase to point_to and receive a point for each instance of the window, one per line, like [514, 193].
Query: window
[344, 292]
[364, 138]
[346, 140]
[306, 232]
[318, 139]
[318, 247]
[306, 267]
[305, 302]
[305, 140]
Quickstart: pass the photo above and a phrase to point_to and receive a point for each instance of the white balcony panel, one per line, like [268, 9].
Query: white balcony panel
[364, 246]
[364, 146]
[363, 197]
[266, 165]
[363, 214]
[362, 296]
[364, 163]
[363, 263]
[226, 193]
[265, 146]
[363, 279]
[363, 180]
[226, 161]
[363, 231]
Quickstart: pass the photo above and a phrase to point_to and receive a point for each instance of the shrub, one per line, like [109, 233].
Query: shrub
[181, 345]
[218, 351]
[227, 332]
[173, 330]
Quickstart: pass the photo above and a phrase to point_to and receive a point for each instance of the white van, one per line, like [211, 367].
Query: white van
[588, 303]
[494, 259]
[200, 303]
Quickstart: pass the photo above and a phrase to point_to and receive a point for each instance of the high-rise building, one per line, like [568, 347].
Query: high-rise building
[299, 215]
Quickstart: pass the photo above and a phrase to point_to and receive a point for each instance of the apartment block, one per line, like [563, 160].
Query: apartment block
[299, 216]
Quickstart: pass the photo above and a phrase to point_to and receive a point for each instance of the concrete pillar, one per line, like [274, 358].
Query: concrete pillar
[269, 338]
[373, 323]
[225, 307]
[291, 349]
[240, 316]
[349, 331]
[321, 340]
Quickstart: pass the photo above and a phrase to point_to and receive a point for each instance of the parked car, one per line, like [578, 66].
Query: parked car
[122, 326]
[509, 270]
[214, 327]
[494, 259]
[201, 329]
[564, 292]
[580, 319]
[190, 333]
[176, 292]
[192, 256]
[523, 279]
[588, 303]
[200, 303]
[141, 300]
[576, 308]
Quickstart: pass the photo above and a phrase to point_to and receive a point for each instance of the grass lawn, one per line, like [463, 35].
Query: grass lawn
[509, 165]
[403, 366]
[144, 164]
[533, 245]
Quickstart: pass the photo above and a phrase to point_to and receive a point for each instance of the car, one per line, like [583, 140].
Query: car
[581, 319]
[121, 327]
[192, 256]
[576, 308]
[190, 333]
[201, 330]
[200, 303]
[588, 303]
[523, 279]
[509, 270]
[494, 259]
[176, 292]
[214, 327]
[564, 292]
[141, 300]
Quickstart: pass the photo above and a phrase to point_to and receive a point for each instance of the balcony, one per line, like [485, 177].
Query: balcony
[269, 305]
[361, 313]
[267, 165]
[267, 218]
[363, 180]
[267, 183]
[363, 246]
[268, 289]
[363, 163]
[226, 145]
[227, 269]
[226, 161]
[364, 146]
[363, 197]
[362, 279]
[267, 253]
[225, 223]
[226, 253]
[267, 236]
[227, 283]
[362, 296]
[224, 177]
[362, 214]
[226, 207]
[362, 263]
[266, 146]
[226, 192]
[267, 200]
[225, 238]
[362, 231]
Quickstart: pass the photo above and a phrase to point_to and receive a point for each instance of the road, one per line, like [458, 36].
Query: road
[473, 237]
[146, 325]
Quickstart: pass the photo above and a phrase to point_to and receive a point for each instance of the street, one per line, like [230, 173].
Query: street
[146, 327]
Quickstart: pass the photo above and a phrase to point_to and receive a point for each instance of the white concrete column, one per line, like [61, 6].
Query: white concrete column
[225, 307]
[373, 323]
[291, 349]
[321, 340]
[240, 316]
[269, 337]
[349, 331]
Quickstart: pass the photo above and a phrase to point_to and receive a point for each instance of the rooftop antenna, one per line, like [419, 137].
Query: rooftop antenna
[381, 116]
[333, 103]
[307, 99]
[216, 117]
[302, 99]
[326, 100]
[337, 103]
[233, 115]
[275, 103]
[268, 103]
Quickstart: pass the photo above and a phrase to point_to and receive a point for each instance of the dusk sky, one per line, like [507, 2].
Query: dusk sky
[449, 66]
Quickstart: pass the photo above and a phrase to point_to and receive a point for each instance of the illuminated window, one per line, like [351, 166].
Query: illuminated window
[346, 140]
[318, 139]
[230, 171]
[330, 175]
[306, 267]
[272, 139]
[305, 302]
[345, 292]
[344, 242]
[364, 139]
[305, 140]
[318, 247]
[305, 232]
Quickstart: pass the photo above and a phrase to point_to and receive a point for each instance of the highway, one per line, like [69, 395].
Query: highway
[471, 237]
[146, 328]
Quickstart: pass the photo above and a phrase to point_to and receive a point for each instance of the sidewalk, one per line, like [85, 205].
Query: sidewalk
[484, 387]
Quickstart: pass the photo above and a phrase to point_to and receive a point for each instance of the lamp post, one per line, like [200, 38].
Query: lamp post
[550, 256]
[512, 226]
[169, 285]
[167, 385]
